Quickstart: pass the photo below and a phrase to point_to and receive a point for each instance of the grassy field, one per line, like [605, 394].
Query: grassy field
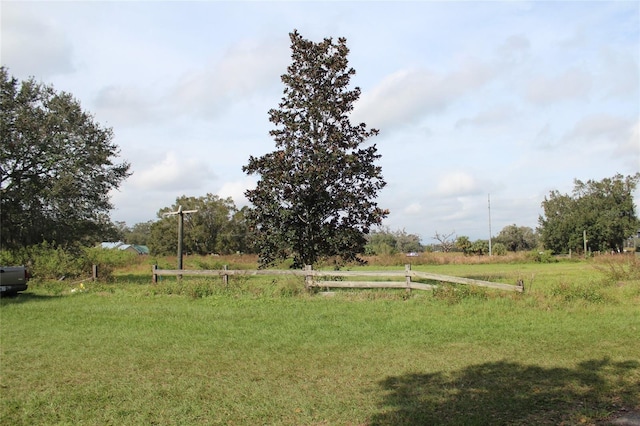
[263, 351]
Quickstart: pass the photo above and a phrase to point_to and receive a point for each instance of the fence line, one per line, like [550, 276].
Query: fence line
[310, 276]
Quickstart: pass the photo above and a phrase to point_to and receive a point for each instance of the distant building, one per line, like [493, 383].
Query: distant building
[111, 245]
[134, 248]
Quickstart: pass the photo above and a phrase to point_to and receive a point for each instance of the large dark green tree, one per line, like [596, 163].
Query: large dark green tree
[517, 238]
[56, 167]
[604, 210]
[217, 227]
[316, 194]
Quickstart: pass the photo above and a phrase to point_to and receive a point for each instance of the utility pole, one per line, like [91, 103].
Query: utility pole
[489, 201]
[180, 214]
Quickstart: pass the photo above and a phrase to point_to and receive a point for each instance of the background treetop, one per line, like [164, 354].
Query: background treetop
[603, 210]
[218, 227]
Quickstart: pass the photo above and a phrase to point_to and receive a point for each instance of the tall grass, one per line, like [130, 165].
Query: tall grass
[619, 267]
[457, 258]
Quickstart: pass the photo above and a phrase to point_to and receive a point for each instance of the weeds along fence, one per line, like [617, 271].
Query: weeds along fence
[339, 279]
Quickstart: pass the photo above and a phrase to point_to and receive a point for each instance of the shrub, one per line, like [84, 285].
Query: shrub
[107, 260]
[545, 256]
[618, 267]
[499, 249]
[48, 262]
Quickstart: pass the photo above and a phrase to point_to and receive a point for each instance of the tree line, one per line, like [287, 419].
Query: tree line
[218, 227]
[316, 192]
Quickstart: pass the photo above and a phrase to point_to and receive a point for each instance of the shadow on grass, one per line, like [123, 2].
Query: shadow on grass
[506, 393]
[25, 297]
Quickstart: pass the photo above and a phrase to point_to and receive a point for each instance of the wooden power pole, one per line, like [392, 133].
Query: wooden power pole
[180, 214]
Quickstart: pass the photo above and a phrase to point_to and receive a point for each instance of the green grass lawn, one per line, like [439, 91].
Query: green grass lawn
[567, 352]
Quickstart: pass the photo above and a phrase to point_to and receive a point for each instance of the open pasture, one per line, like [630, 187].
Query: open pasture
[263, 351]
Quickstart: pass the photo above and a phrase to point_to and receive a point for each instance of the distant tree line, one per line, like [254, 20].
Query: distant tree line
[511, 238]
[384, 241]
[218, 227]
[602, 210]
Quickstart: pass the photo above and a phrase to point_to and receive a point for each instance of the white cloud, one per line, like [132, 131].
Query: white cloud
[600, 127]
[621, 75]
[630, 148]
[124, 106]
[457, 184]
[497, 115]
[246, 69]
[573, 84]
[173, 173]
[413, 209]
[32, 46]
[515, 48]
[236, 190]
[407, 96]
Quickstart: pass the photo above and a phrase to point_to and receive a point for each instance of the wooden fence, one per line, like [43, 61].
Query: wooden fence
[313, 278]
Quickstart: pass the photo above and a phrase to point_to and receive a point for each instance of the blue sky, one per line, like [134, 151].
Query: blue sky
[512, 99]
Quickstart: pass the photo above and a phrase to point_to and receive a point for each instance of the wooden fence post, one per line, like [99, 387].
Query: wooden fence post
[155, 276]
[225, 277]
[407, 277]
[308, 278]
[94, 272]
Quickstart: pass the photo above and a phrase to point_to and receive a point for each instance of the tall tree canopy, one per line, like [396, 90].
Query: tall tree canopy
[217, 227]
[604, 209]
[517, 238]
[56, 167]
[316, 193]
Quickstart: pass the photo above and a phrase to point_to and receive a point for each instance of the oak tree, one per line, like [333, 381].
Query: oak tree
[57, 168]
[517, 238]
[603, 210]
[217, 227]
[316, 193]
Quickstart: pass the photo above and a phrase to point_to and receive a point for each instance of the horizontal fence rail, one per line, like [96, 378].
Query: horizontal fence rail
[312, 278]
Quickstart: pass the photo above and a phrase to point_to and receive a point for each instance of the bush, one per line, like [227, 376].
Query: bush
[542, 256]
[107, 260]
[45, 261]
[499, 249]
